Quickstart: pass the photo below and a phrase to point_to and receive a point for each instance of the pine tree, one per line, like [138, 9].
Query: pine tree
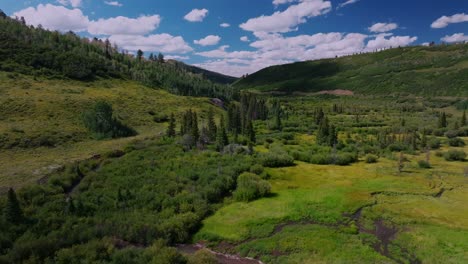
[139, 55]
[442, 120]
[332, 136]
[323, 132]
[160, 58]
[278, 124]
[211, 125]
[463, 119]
[251, 132]
[221, 136]
[195, 132]
[171, 129]
[13, 212]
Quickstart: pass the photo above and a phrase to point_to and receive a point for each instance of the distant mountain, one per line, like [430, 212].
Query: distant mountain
[437, 70]
[210, 75]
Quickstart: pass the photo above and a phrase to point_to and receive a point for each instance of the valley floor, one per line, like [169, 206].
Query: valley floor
[363, 213]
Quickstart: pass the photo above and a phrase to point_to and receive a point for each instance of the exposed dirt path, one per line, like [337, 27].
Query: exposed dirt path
[222, 258]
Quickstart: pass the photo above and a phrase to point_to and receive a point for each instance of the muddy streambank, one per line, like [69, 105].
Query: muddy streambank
[222, 258]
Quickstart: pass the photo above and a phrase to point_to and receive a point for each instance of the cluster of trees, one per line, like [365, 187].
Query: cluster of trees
[31, 50]
[326, 133]
[193, 136]
[101, 121]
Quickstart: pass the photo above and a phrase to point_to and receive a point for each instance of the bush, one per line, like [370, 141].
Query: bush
[344, 159]
[371, 158]
[455, 155]
[456, 142]
[424, 164]
[276, 159]
[434, 143]
[250, 187]
[451, 133]
[257, 169]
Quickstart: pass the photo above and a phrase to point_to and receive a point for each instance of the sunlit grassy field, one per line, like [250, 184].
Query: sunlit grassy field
[41, 126]
[318, 202]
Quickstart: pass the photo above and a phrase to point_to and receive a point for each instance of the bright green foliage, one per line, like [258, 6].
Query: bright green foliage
[250, 187]
[12, 211]
[101, 121]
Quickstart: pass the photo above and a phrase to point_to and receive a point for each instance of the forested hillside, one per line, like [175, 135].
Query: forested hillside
[28, 50]
[428, 71]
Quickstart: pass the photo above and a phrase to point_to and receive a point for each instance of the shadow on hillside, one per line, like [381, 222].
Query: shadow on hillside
[309, 78]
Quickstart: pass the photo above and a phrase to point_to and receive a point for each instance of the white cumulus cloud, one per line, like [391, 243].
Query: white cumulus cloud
[244, 39]
[381, 42]
[196, 15]
[159, 42]
[208, 40]
[348, 2]
[224, 25]
[124, 26]
[55, 17]
[289, 19]
[113, 3]
[444, 21]
[383, 27]
[73, 3]
[457, 37]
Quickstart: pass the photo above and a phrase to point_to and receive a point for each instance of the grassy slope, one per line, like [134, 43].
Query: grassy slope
[417, 70]
[210, 75]
[36, 111]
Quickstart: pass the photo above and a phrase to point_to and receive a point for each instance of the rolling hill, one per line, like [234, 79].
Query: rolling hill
[429, 71]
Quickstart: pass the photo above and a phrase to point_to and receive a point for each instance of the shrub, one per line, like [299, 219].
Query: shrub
[455, 155]
[451, 133]
[434, 143]
[276, 159]
[371, 158]
[321, 159]
[456, 142]
[344, 159]
[257, 169]
[250, 187]
[424, 164]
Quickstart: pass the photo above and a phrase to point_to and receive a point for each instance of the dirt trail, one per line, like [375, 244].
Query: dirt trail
[222, 258]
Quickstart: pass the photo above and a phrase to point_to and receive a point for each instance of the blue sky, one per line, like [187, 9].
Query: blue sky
[256, 33]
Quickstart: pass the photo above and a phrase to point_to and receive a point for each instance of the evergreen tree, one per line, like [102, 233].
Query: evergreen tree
[171, 129]
[221, 136]
[195, 132]
[332, 136]
[139, 55]
[463, 119]
[13, 212]
[251, 132]
[151, 57]
[443, 120]
[211, 125]
[323, 132]
[160, 58]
